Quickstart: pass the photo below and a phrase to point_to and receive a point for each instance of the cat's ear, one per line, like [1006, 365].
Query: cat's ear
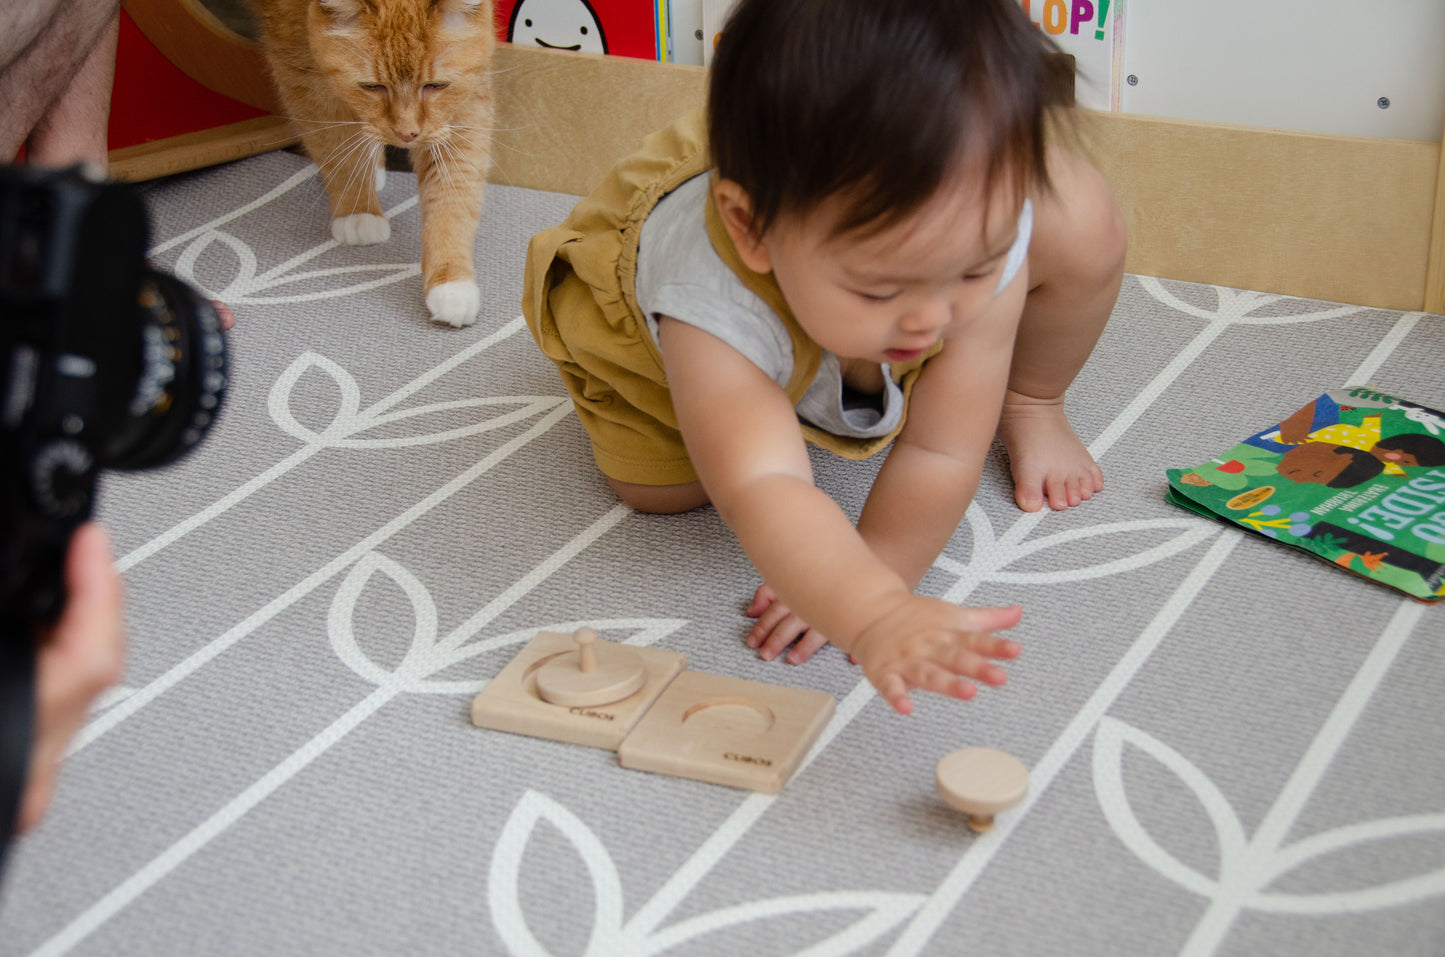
[456, 13]
[343, 13]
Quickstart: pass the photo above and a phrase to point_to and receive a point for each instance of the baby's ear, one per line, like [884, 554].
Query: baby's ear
[735, 208]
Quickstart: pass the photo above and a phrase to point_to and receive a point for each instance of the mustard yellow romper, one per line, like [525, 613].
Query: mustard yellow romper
[579, 299]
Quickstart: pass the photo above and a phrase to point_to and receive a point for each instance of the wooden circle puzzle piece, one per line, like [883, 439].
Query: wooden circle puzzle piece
[591, 676]
[981, 782]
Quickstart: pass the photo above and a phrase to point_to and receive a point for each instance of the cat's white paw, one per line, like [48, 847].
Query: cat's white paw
[361, 229]
[380, 178]
[455, 303]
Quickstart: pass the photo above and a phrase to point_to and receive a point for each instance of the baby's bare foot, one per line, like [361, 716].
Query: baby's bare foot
[1049, 462]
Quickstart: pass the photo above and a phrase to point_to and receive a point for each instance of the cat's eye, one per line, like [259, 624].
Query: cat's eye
[433, 87]
[374, 87]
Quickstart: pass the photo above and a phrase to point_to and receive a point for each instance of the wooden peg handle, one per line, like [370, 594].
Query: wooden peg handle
[586, 653]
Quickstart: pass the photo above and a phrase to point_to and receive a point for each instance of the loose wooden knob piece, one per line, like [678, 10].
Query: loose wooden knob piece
[981, 782]
[593, 675]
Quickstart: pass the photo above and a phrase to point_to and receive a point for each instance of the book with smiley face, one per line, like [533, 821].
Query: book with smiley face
[1356, 477]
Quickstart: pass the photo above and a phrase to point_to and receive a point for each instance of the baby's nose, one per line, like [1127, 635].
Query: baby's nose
[928, 317]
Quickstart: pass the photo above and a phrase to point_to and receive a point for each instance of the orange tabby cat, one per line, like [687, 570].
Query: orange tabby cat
[358, 75]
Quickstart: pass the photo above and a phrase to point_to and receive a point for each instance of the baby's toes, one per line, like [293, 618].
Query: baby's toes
[454, 303]
[361, 229]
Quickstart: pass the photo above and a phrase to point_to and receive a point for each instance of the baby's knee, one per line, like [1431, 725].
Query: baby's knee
[1081, 231]
[660, 499]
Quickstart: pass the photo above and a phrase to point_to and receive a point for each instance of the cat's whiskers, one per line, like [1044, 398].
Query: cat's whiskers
[360, 140]
[440, 153]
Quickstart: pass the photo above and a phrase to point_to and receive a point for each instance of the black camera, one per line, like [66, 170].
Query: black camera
[104, 363]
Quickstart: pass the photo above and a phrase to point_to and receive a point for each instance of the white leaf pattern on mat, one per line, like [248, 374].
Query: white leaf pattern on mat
[348, 419]
[247, 286]
[503, 879]
[1109, 743]
[1392, 894]
[1240, 306]
[1249, 864]
[881, 911]
[1235, 877]
[426, 652]
[991, 557]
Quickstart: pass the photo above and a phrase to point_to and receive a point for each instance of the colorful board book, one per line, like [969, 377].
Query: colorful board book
[1356, 477]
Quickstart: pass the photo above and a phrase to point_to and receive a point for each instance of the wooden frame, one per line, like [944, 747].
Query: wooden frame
[1343, 218]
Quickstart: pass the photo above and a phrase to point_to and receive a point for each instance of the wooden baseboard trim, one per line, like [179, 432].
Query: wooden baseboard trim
[177, 154]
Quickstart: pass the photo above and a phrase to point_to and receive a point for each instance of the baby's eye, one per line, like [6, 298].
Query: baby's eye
[878, 296]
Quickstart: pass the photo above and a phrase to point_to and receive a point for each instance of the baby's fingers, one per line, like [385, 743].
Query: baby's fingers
[762, 598]
[929, 676]
[894, 690]
[769, 620]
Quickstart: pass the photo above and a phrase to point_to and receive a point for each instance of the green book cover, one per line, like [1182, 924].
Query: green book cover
[1356, 477]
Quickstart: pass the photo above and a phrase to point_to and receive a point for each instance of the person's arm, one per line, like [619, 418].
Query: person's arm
[79, 657]
[742, 435]
[43, 46]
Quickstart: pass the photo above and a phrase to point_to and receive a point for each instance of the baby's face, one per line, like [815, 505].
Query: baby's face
[890, 296]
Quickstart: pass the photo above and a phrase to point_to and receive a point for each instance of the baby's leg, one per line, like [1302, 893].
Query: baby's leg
[1076, 263]
[660, 499]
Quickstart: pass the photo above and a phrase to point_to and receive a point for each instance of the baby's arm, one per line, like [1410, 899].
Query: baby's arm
[742, 435]
[934, 467]
[932, 472]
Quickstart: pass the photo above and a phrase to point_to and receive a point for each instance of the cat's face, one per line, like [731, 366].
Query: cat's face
[409, 69]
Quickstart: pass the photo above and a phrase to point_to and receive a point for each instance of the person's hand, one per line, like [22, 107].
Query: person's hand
[224, 315]
[79, 657]
[933, 645]
[778, 627]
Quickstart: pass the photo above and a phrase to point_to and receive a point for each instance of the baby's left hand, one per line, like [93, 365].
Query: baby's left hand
[778, 627]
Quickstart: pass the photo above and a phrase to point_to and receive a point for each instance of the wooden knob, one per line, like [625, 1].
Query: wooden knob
[981, 782]
[586, 654]
[597, 673]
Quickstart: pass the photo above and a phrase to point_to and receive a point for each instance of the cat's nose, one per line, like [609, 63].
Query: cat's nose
[406, 135]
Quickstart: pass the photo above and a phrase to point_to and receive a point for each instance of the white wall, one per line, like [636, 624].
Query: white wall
[1319, 65]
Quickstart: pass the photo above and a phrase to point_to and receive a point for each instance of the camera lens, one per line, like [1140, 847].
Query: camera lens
[182, 376]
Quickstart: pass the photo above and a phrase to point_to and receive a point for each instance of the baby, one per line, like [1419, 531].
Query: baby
[867, 243]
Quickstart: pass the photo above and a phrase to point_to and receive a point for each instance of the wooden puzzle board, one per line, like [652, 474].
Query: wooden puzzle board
[511, 702]
[746, 734]
[722, 730]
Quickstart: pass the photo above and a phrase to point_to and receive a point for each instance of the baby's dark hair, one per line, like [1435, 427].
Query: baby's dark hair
[1427, 449]
[877, 100]
[1363, 467]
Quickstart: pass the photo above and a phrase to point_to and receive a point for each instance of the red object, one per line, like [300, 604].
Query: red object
[1233, 466]
[621, 27]
[153, 100]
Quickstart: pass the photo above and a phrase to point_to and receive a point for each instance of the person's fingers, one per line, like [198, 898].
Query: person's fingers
[224, 314]
[80, 656]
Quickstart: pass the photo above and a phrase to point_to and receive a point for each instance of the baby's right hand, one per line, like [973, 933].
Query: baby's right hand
[936, 646]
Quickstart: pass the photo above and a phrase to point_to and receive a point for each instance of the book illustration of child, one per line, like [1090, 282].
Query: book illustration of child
[1342, 454]
[866, 243]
